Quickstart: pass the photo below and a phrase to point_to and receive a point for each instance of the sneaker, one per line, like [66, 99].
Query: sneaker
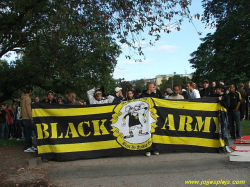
[29, 150]
[17, 139]
[156, 153]
[228, 149]
[239, 137]
[34, 148]
[148, 154]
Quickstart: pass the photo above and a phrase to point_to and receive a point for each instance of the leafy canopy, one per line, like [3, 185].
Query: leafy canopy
[225, 54]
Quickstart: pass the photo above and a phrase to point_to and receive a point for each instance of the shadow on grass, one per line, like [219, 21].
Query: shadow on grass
[11, 143]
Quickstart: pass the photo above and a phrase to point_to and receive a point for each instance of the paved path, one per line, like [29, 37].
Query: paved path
[164, 170]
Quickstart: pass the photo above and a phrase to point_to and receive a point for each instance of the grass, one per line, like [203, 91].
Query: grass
[11, 143]
[245, 124]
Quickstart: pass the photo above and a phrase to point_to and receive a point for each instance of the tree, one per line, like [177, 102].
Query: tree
[140, 84]
[21, 21]
[224, 56]
[171, 81]
[74, 44]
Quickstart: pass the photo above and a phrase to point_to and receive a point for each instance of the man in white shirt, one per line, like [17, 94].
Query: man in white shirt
[191, 91]
[176, 94]
[95, 97]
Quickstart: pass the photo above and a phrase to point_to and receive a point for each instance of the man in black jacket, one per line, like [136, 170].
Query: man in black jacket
[151, 91]
[224, 100]
[206, 91]
[234, 113]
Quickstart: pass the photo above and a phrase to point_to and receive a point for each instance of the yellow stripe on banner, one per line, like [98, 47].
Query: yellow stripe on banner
[60, 112]
[185, 105]
[203, 142]
[78, 147]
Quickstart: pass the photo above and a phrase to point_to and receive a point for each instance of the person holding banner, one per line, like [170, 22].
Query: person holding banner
[225, 102]
[151, 92]
[234, 113]
[191, 91]
[130, 95]
[176, 94]
[95, 97]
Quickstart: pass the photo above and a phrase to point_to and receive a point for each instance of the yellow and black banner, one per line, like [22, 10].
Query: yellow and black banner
[70, 132]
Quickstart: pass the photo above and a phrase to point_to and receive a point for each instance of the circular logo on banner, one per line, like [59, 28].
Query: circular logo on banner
[133, 123]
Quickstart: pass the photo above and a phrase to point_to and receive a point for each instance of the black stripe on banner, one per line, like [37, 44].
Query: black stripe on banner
[91, 154]
[176, 122]
[186, 148]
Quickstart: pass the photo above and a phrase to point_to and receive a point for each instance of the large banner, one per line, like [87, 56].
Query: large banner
[69, 132]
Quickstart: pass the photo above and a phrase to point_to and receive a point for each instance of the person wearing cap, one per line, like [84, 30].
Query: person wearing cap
[51, 97]
[96, 97]
[206, 91]
[224, 100]
[191, 91]
[118, 95]
[27, 118]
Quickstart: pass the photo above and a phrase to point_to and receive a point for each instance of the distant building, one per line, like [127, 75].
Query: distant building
[159, 78]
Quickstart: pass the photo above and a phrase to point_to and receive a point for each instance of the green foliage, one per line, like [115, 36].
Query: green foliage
[140, 84]
[74, 44]
[176, 79]
[224, 55]
[23, 21]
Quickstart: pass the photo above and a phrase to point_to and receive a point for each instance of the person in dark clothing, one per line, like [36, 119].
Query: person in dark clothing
[51, 97]
[234, 113]
[4, 129]
[214, 87]
[242, 101]
[151, 91]
[129, 96]
[137, 93]
[224, 100]
[247, 89]
[206, 91]
[118, 95]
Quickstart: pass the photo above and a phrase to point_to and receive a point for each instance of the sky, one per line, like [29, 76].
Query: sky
[170, 54]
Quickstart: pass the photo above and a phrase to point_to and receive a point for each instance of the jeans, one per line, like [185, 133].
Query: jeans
[19, 129]
[28, 128]
[234, 117]
[6, 131]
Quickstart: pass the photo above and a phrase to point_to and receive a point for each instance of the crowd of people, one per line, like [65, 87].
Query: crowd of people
[16, 121]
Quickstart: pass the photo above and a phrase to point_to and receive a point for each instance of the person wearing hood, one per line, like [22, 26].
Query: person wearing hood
[27, 119]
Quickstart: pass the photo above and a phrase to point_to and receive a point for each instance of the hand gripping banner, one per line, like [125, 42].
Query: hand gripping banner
[70, 132]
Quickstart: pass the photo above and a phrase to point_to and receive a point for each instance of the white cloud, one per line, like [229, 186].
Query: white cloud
[164, 48]
[118, 73]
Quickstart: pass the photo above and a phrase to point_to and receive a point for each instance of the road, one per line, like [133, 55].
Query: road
[172, 169]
